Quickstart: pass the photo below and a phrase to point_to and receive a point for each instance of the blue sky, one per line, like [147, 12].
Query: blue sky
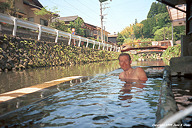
[120, 14]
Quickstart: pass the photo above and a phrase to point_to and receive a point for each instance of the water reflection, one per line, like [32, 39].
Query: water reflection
[14, 80]
[94, 103]
[128, 86]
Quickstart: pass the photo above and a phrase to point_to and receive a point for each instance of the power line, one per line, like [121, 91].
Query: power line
[77, 9]
[71, 9]
[60, 6]
[87, 7]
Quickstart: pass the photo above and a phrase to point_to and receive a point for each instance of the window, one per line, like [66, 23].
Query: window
[43, 22]
[31, 19]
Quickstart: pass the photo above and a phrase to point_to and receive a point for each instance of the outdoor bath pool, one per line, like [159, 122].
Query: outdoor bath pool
[102, 101]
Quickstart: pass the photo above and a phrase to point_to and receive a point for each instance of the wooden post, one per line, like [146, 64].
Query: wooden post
[103, 46]
[15, 26]
[87, 43]
[69, 39]
[79, 42]
[94, 45]
[56, 39]
[39, 35]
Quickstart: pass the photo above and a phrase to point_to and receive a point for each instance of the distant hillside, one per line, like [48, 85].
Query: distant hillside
[157, 26]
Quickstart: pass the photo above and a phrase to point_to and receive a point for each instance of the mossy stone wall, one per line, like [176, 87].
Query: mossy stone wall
[18, 53]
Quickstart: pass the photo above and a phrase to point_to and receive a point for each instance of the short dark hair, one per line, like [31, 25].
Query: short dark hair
[124, 54]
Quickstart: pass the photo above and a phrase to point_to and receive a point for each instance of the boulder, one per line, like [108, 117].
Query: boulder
[190, 49]
[181, 65]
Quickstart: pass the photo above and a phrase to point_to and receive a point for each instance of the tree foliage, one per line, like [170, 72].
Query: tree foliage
[102, 0]
[8, 7]
[164, 33]
[154, 27]
[50, 13]
[4, 7]
[60, 25]
[128, 32]
[78, 24]
[155, 9]
[137, 29]
[120, 39]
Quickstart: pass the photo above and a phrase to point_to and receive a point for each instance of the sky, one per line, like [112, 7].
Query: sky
[118, 14]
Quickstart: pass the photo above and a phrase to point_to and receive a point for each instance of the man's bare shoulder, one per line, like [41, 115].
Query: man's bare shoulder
[121, 75]
[141, 73]
[139, 69]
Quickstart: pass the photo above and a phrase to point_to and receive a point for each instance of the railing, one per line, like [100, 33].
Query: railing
[163, 45]
[40, 28]
[150, 43]
[174, 118]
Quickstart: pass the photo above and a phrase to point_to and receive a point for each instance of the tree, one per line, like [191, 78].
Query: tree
[179, 30]
[162, 19]
[128, 32]
[135, 21]
[148, 25]
[4, 7]
[155, 9]
[137, 28]
[8, 7]
[103, 0]
[78, 24]
[163, 33]
[120, 39]
[60, 25]
[51, 14]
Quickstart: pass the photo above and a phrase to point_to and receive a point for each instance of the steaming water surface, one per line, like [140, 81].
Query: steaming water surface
[102, 101]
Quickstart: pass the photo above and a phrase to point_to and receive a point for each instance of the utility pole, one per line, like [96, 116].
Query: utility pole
[101, 14]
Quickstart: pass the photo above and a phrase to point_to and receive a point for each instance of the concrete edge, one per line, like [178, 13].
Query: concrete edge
[167, 105]
[13, 100]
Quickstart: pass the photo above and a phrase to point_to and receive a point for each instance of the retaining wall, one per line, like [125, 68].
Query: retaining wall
[19, 53]
[167, 105]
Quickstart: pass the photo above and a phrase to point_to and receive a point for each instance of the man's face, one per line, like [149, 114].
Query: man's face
[124, 62]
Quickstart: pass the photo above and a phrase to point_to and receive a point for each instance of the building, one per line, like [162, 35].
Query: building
[91, 31]
[105, 34]
[25, 9]
[177, 17]
[113, 38]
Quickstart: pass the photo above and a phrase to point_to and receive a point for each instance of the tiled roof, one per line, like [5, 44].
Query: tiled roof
[35, 4]
[112, 35]
[69, 18]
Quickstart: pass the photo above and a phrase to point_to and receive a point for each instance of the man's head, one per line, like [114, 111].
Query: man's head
[125, 61]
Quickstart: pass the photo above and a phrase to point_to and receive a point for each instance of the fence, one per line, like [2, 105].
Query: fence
[40, 28]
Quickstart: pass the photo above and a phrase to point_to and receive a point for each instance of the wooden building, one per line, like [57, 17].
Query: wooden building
[91, 31]
[113, 38]
[25, 9]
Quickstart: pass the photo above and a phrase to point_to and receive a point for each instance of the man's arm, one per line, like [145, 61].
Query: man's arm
[121, 75]
[141, 74]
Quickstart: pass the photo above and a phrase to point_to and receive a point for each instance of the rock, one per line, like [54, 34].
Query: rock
[181, 65]
[190, 49]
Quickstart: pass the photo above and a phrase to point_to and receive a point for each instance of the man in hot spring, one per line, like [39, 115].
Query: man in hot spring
[130, 73]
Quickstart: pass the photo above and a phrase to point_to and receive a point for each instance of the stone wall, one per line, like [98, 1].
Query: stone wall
[167, 105]
[181, 66]
[186, 45]
[18, 53]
